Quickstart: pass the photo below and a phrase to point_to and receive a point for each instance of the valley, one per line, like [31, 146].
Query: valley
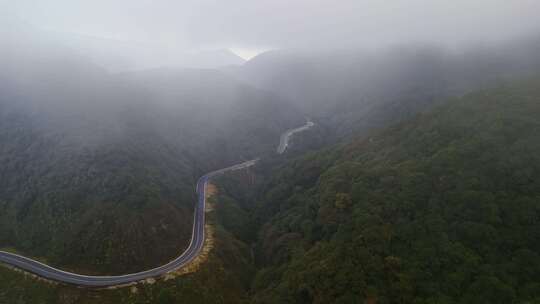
[360, 152]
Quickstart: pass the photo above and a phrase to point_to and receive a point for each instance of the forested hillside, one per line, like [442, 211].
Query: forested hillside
[444, 208]
[99, 167]
[352, 92]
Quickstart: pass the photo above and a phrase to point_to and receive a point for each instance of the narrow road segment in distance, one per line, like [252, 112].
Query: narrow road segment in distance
[286, 136]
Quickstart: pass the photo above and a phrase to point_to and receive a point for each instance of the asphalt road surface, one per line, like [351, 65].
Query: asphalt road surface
[286, 137]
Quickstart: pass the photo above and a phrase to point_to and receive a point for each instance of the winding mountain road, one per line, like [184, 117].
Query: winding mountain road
[193, 250]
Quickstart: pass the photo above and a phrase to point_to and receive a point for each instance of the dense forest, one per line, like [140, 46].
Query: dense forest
[444, 208]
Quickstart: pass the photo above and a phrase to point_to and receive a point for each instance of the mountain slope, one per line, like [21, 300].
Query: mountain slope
[444, 208]
[97, 168]
[353, 92]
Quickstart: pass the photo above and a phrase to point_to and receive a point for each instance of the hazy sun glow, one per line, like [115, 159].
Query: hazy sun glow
[248, 53]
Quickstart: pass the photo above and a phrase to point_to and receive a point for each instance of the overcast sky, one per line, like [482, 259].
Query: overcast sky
[261, 24]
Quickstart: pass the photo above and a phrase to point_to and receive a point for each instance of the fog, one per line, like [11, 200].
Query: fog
[167, 32]
[327, 58]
